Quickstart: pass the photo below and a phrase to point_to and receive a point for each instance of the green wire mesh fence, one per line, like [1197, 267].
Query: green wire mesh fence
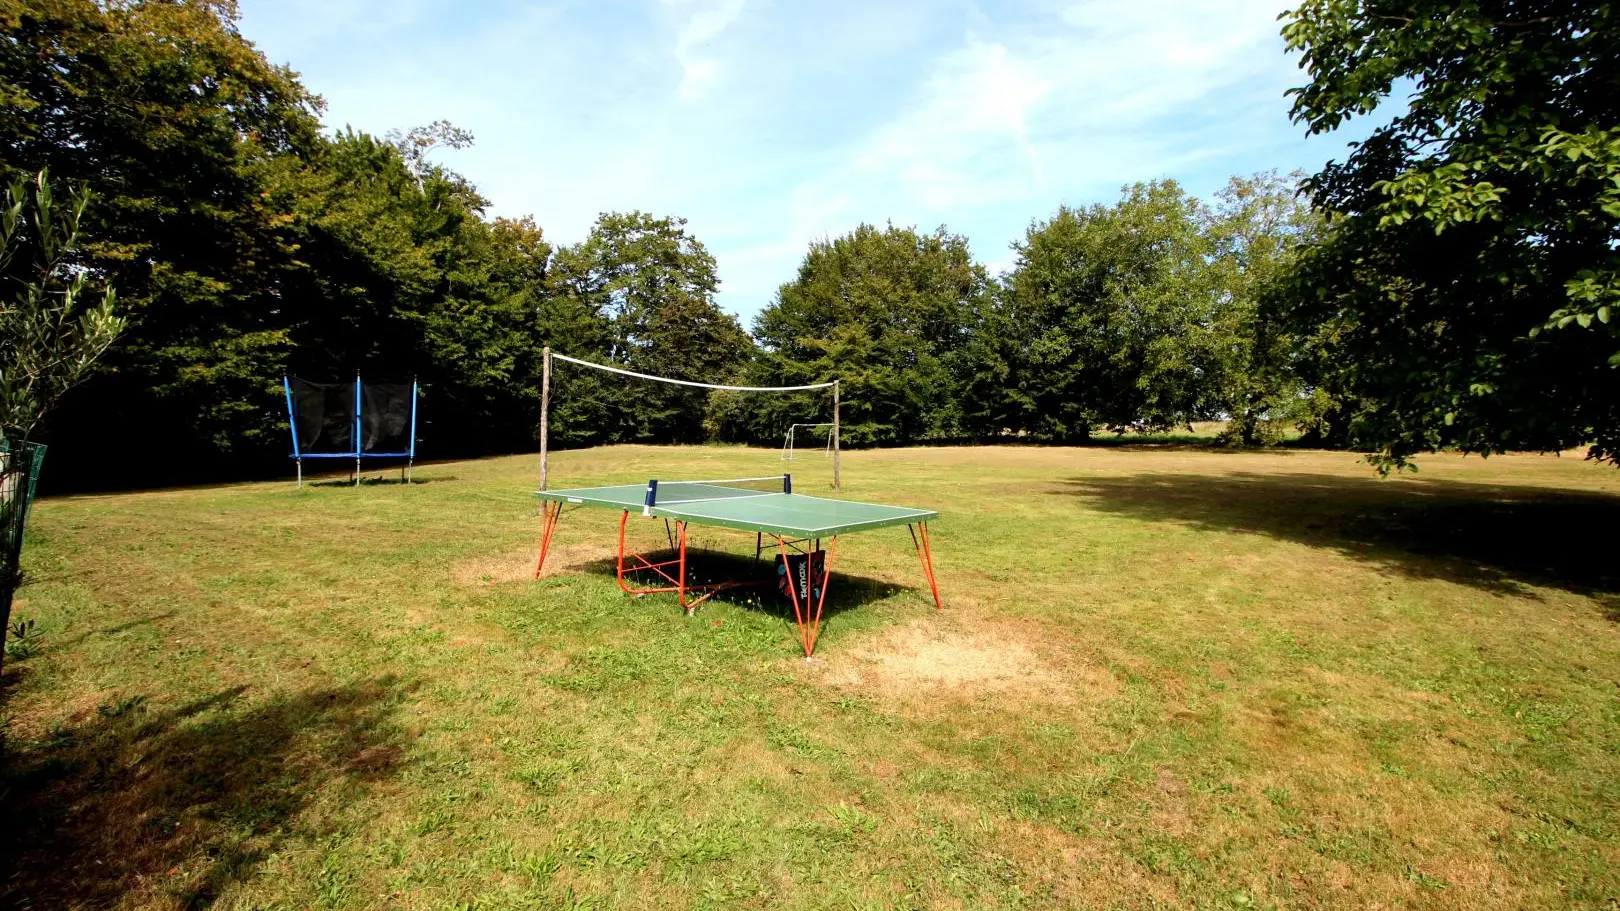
[19, 474]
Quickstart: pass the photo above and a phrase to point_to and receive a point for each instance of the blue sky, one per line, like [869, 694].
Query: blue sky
[771, 124]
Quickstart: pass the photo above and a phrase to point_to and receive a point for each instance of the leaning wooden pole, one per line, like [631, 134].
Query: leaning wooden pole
[545, 409]
[837, 479]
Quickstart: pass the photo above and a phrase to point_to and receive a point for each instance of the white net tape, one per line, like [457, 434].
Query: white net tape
[665, 379]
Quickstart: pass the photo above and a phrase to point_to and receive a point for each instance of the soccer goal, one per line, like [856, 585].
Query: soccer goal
[545, 404]
[790, 441]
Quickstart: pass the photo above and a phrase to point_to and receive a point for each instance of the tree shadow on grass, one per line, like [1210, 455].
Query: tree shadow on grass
[846, 592]
[381, 482]
[171, 806]
[1500, 538]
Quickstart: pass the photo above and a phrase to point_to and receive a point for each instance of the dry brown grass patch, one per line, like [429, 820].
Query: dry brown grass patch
[929, 659]
[518, 565]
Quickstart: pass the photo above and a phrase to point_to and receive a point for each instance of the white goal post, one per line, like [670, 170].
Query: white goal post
[545, 404]
[789, 440]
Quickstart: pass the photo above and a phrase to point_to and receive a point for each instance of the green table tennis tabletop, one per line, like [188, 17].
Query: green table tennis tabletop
[787, 514]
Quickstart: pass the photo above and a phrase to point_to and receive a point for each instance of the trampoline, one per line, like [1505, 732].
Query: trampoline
[355, 420]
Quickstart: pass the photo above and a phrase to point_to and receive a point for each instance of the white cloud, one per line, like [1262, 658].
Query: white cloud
[771, 125]
[993, 110]
[702, 22]
[1017, 118]
[977, 101]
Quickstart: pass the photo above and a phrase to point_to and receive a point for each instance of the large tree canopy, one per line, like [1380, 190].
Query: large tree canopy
[884, 310]
[245, 243]
[1256, 227]
[398, 275]
[172, 120]
[1143, 315]
[1108, 318]
[652, 284]
[1466, 296]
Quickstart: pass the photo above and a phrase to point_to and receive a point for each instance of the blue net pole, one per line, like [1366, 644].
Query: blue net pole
[357, 430]
[292, 425]
[292, 416]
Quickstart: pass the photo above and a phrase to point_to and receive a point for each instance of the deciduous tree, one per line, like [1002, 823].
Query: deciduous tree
[1256, 226]
[171, 118]
[884, 311]
[1466, 295]
[653, 283]
[50, 338]
[1110, 317]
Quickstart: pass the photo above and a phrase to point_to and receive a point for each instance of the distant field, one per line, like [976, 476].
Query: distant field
[1165, 676]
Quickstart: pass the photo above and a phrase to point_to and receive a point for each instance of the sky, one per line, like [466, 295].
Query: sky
[769, 125]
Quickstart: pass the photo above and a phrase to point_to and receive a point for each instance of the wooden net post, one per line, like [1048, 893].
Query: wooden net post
[545, 409]
[836, 446]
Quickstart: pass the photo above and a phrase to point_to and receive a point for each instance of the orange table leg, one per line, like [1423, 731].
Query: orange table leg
[809, 623]
[926, 553]
[548, 526]
[640, 563]
[634, 562]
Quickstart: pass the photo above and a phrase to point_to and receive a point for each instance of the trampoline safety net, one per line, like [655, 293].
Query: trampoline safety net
[385, 417]
[324, 417]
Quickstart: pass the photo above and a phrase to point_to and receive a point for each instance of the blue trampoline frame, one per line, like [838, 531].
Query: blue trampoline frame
[408, 455]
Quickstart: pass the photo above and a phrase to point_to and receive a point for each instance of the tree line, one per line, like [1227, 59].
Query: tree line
[1449, 285]
[1142, 315]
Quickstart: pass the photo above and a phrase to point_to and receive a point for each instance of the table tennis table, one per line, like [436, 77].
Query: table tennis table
[766, 506]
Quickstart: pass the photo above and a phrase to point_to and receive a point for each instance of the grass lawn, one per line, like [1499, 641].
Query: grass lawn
[1164, 676]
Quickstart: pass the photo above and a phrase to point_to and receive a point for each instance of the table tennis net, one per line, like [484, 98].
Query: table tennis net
[668, 493]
